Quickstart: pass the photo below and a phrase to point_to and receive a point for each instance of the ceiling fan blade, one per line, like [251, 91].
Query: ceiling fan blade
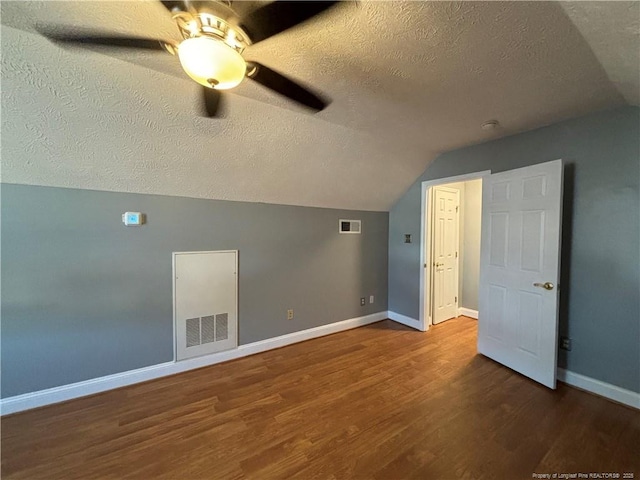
[286, 87]
[103, 40]
[279, 15]
[212, 99]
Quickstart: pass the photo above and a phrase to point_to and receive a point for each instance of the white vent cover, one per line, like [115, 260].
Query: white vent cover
[209, 329]
[349, 226]
[205, 302]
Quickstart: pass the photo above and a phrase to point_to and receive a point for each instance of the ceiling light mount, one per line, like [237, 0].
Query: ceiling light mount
[490, 125]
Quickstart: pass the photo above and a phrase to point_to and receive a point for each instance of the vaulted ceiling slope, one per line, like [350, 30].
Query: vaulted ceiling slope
[407, 80]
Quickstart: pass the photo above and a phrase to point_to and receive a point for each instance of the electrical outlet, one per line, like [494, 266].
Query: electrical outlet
[565, 343]
[371, 299]
[363, 301]
[290, 314]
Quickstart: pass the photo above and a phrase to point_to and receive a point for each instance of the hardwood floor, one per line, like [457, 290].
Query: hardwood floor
[380, 402]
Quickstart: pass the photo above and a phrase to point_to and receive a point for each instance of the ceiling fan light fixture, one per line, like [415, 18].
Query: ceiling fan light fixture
[214, 40]
[211, 62]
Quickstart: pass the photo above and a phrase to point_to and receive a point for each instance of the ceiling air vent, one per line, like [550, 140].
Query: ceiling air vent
[350, 226]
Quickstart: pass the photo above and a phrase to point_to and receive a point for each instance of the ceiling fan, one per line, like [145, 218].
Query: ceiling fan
[214, 38]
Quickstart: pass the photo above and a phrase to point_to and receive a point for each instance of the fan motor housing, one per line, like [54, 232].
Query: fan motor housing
[206, 23]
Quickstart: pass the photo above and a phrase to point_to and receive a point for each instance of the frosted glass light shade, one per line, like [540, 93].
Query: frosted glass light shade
[211, 62]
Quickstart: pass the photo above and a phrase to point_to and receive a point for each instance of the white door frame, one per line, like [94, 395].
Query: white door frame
[426, 203]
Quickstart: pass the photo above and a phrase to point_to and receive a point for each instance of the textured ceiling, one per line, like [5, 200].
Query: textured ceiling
[612, 29]
[408, 80]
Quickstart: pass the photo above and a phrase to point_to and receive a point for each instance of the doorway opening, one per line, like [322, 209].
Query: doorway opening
[450, 248]
[517, 295]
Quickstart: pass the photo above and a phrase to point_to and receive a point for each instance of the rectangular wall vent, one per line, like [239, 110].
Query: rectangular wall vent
[205, 302]
[349, 226]
[209, 329]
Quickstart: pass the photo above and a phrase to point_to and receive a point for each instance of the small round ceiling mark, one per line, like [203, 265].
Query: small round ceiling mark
[490, 125]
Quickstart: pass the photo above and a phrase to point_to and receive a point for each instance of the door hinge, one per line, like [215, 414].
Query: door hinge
[456, 254]
[457, 208]
[456, 299]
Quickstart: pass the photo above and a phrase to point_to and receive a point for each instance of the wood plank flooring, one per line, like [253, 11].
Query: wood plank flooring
[378, 402]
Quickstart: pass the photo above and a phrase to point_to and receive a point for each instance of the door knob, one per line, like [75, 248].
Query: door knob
[546, 285]
[439, 264]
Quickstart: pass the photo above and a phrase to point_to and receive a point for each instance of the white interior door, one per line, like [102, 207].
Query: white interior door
[519, 269]
[446, 205]
[205, 302]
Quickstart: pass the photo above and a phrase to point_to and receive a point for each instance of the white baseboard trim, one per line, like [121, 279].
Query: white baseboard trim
[403, 319]
[617, 394]
[96, 385]
[321, 331]
[467, 312]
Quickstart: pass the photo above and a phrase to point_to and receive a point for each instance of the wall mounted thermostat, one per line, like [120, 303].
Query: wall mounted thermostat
[132, 219]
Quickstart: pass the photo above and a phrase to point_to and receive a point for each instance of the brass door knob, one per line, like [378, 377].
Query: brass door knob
[546, 285]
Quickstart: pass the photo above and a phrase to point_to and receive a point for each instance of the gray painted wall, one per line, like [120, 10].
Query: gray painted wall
[600, 302]
[472, 210]
[84, 296]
